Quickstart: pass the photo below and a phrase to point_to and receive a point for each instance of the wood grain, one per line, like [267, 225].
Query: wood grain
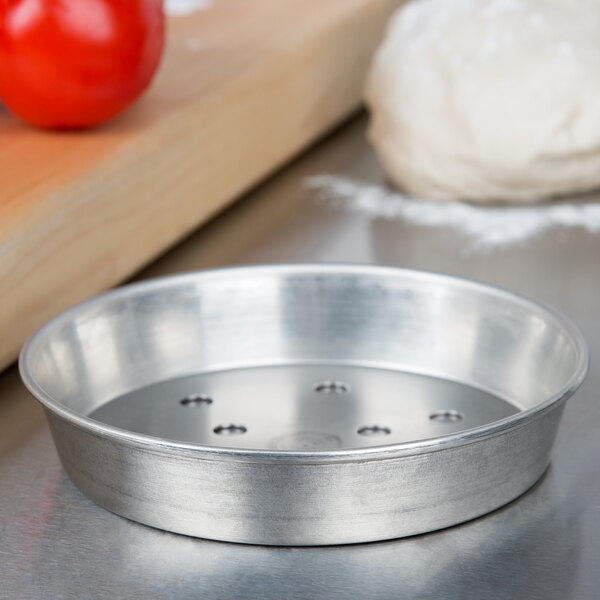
[243, 87]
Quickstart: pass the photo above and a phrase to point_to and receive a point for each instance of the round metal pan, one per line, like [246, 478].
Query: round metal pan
[304, 404]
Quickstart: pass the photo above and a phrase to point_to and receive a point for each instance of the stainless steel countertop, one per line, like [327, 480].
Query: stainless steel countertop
[54, 543]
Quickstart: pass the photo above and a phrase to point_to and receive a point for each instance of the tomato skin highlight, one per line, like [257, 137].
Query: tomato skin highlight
[69, 64]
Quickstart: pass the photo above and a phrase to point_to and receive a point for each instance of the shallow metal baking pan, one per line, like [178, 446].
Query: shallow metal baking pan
[305, 404]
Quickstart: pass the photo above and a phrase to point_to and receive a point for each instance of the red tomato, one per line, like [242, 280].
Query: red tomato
[75, 63]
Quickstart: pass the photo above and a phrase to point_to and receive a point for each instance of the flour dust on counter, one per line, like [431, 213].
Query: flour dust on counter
[488, 227]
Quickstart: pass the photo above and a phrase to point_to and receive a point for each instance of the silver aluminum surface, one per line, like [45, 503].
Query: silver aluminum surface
[56, 543]
[305, 404]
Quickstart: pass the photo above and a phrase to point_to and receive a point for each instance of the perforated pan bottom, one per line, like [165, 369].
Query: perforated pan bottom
[300, 407]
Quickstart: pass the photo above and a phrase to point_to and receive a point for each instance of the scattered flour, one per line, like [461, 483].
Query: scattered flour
[488, 227]
[181, 8]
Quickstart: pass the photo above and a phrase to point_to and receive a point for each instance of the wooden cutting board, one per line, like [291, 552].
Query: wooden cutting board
[243, 86]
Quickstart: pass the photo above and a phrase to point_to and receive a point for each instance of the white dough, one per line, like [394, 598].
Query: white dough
[488, 100]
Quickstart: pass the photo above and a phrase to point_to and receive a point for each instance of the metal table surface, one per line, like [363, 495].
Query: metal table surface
[54, 543]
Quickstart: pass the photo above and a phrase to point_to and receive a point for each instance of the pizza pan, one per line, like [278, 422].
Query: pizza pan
[304, 404]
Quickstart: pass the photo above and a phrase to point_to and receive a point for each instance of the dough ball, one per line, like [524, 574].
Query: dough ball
[488, 100]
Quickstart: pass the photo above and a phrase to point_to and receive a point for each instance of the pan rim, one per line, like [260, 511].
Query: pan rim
[376, 452]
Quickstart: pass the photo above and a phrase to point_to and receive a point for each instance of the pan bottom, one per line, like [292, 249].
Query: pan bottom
[303, 407]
